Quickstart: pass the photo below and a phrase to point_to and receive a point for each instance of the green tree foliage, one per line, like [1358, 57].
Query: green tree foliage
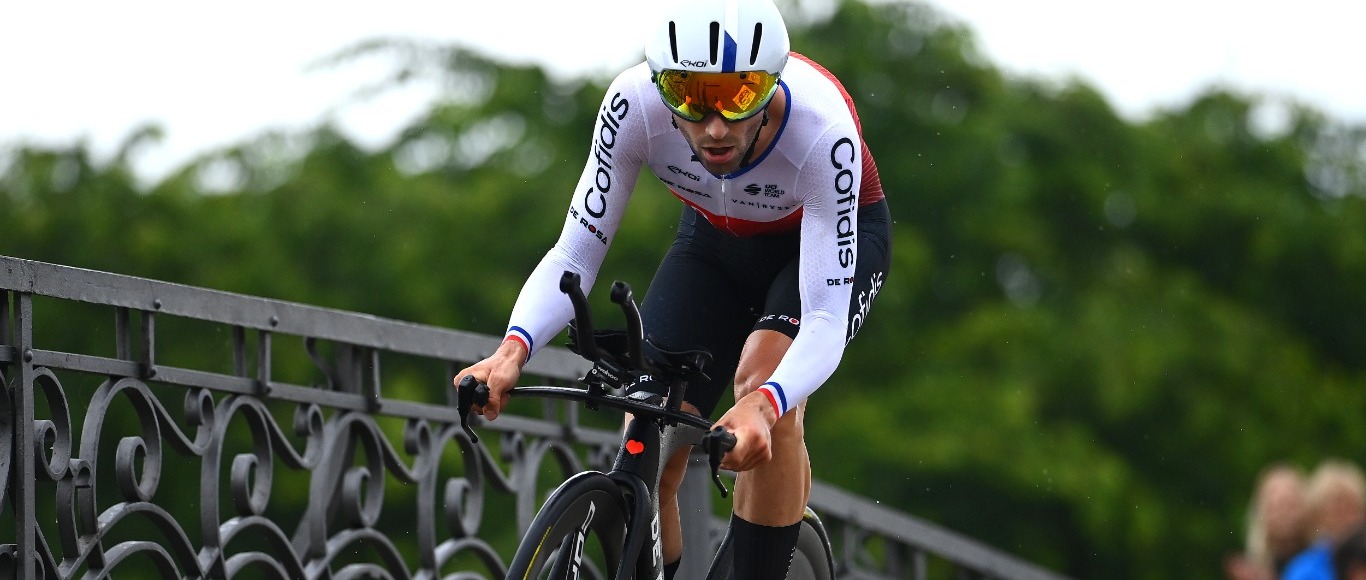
[1096, 331]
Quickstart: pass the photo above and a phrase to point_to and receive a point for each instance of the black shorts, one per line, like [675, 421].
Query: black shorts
[713, 289]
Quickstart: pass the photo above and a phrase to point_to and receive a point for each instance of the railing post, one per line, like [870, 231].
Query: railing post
[25, 478]
[148, 362]
[5, 329]
[263, 358]
[694, 505]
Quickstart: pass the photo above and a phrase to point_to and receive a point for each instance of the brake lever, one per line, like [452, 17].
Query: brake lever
[717, 442]
[470, 392]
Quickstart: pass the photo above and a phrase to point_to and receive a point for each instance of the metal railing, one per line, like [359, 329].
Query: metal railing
[307, 443]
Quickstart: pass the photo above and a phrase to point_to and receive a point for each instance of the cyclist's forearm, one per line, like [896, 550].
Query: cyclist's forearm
[812, 358]
[596, 207]
[541, 310]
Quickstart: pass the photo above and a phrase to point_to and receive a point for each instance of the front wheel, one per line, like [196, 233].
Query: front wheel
[579, 532]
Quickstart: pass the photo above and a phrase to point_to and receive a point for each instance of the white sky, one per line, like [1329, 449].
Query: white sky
[218, 74]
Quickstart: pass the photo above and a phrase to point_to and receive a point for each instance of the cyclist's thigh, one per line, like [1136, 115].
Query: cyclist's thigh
[874, 259]
[695, 302]
[783, 306]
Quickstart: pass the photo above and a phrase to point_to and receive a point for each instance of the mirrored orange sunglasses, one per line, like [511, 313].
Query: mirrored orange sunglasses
[734, 95]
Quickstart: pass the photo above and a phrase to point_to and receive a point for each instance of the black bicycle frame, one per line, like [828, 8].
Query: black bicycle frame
[638, 475]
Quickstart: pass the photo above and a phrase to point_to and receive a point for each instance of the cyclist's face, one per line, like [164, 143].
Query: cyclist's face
[719, 144]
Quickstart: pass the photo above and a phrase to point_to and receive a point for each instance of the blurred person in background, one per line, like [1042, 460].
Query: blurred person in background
[1349, 560]
[1276, 522]
[1336, 497]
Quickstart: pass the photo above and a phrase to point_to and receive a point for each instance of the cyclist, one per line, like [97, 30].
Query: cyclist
[782, 246]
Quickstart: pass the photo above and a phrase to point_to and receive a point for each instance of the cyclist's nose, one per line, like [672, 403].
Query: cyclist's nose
[715, 126]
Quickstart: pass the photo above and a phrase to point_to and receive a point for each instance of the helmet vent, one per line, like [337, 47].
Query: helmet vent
[715, 40]
[758, 35]
[673, 39]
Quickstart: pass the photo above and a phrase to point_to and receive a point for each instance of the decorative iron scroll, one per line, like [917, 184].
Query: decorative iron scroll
[134, 464]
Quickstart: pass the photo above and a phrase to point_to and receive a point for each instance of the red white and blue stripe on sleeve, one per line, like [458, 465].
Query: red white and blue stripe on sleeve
[776, 396]
[520, 334]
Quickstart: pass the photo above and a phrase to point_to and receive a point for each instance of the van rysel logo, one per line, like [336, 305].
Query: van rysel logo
[844, 187]
[595, 197]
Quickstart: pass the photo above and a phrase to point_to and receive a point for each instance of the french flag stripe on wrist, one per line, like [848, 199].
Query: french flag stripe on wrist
[520, 334]
[776, 396]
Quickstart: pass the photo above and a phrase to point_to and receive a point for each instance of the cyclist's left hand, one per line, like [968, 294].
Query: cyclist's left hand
[751, 420]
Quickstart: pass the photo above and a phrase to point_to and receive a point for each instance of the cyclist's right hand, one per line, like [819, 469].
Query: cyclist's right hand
[500, 372]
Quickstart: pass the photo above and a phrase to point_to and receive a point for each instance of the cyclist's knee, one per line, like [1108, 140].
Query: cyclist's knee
[677, 465]
[791, 428]
[674, 470]
[762, 352]
[748, 380]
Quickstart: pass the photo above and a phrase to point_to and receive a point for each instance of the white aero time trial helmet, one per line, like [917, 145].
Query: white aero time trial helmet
[722, 56]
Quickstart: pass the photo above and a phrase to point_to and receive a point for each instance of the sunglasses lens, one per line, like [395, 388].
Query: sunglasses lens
[734, 96]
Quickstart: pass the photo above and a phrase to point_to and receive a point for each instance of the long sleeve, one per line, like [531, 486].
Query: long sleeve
[618, 151]
[829, 251]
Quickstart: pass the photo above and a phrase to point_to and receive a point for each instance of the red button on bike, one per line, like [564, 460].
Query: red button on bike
[634, 447]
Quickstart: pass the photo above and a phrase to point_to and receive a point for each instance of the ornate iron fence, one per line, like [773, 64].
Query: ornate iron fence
[307, 443]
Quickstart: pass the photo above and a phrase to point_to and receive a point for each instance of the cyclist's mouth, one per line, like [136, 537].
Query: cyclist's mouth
[718, 155]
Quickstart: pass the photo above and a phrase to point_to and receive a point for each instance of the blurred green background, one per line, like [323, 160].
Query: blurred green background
[1095, 332]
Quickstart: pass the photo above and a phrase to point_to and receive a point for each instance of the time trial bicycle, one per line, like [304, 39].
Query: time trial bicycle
[606, 525]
